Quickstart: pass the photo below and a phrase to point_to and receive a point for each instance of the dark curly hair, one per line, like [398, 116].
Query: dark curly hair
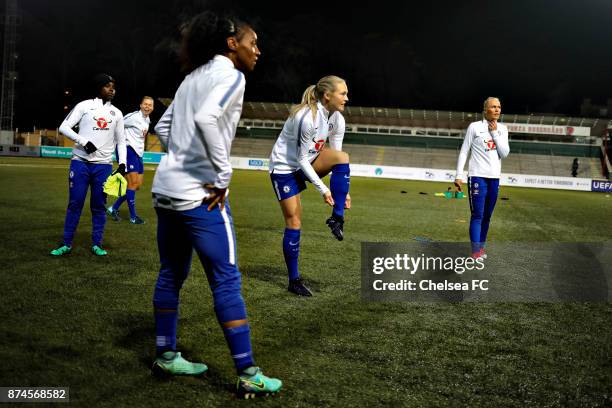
[205, 35]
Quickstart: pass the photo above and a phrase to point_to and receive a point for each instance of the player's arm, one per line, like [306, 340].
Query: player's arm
[223, 95]
[463, 154]
[130, 120]
[162, 129]
[71, 121]
[305, 134]
[500, 137]
[337, 136]
[120, 142]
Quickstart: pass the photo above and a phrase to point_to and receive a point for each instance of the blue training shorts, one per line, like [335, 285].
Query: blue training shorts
[134, 162]
[288, 185]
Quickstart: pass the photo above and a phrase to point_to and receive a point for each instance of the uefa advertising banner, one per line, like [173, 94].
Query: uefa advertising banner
[602, 186]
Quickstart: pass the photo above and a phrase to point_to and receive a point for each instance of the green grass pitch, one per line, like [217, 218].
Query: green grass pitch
[87, 323]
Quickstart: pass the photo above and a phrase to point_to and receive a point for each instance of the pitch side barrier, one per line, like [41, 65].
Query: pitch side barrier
[446, 176]
[66, 153]
[359, 170]
[439, 142]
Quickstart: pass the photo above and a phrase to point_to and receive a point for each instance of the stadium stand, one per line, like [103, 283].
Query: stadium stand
[421, 138]
[434, 158]
[444, 121]
[417, 138]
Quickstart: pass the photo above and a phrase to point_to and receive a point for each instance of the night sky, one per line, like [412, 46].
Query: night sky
[537, 56]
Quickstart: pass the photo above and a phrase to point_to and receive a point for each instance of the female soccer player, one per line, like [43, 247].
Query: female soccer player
[487, 141]
[300, 155]
[136, 128]
[100, 131]
[189, 194]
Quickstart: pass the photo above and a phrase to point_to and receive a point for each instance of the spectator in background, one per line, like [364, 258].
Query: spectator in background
[575, 166]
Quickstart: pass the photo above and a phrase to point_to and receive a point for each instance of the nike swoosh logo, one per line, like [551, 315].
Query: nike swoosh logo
[259, 384]
[345, 176]
[293, 243]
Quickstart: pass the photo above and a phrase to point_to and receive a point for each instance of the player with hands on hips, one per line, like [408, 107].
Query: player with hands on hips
[189, 195]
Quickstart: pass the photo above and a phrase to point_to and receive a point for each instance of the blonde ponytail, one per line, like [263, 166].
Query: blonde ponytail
[314, 93]
[309, 98]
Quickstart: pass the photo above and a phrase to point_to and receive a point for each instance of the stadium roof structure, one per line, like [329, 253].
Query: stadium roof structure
[423, 118]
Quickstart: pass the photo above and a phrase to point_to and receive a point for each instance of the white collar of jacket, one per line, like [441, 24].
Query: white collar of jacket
[99, 101]
[323, 111]
[224, 60]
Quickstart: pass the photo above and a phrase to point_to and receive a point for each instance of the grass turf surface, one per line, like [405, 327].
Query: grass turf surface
[86, 322]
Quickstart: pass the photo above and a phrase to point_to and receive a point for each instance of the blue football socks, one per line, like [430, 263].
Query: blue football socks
[131, 200]
[339, 183]
[165, 329]
[239, 342]
[291, 250]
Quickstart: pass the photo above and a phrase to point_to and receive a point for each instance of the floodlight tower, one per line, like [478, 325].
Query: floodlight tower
[9, 65]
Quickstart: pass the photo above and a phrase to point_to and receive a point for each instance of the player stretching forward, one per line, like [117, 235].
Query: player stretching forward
[189, 194]
[100, 132]
[136, 128]
[487, 141]
[300, 155]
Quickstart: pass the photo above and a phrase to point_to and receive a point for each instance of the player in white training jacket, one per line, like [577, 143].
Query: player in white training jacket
[300, 155]
[486, 141]
[189, 194]
[136, 126]
[100, 132]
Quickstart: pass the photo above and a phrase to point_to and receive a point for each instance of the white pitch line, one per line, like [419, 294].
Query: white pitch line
[55, 166]
[52, 166]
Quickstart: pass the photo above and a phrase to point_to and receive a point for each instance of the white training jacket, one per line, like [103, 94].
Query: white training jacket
[487, 149]
[198, 129]
[136, 126]
[301, 140]
[99, 123]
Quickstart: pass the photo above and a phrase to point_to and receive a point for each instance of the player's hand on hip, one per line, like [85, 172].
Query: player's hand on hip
[327, 197]
[492, 125]
[215, 197]
[90, 147]
[347, 203]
